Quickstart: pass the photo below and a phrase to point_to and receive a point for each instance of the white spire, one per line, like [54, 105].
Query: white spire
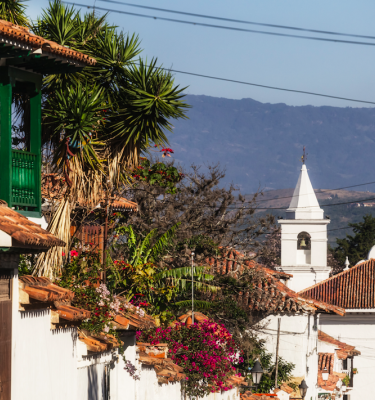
[304, 204]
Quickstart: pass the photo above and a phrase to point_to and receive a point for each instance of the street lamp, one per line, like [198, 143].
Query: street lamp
[303, 389]
[257, 373]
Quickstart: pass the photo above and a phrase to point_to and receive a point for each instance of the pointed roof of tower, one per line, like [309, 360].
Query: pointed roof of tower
[304, 204]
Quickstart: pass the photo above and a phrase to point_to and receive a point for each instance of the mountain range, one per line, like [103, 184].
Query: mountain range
[260, 144]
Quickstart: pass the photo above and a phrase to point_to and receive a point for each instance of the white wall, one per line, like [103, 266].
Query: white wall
[356, 330]
[298, 344]
[54, 365]
[232, 394]
[148, 388]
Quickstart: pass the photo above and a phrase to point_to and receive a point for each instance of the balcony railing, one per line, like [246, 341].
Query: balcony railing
[24, 179]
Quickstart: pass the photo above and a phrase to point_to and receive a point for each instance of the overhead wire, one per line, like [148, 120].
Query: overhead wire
[238, 20]
[262, 86]
[284, 208]
[241, 82]
[317, 192]
[232, 28]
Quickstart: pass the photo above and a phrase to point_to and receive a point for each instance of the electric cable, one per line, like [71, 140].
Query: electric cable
[238, 20]
[285, 208]
[231, 28]
[318, 192]
[262, 86]
[247, 83]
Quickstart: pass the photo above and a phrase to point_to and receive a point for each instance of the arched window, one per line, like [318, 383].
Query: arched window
[304, 241]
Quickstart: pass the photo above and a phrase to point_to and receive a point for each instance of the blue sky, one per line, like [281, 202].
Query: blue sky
[338, 69]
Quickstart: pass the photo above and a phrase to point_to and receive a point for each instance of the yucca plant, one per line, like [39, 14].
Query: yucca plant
[97, 122]
[14, 11]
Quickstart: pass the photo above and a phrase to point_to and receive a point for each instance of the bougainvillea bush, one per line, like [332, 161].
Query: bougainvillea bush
[206, 351]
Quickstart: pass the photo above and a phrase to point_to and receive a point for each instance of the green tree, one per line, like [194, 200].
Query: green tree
[356, 247]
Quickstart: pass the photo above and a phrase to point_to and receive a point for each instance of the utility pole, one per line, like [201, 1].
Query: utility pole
[277, 351]
[192, 286]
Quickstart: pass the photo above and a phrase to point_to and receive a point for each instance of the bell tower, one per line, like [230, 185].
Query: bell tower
[304, 237]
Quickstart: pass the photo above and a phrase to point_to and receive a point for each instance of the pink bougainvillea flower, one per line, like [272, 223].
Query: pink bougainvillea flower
[63, 254]
[74, 253]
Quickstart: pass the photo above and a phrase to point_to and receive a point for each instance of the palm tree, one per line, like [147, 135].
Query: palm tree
[98, 122]
[14, 11]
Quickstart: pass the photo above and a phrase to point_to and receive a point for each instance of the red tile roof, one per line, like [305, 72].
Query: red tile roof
[59, 299]
[236, 380]
[270, 294]
[258, 396]
[98, 343]
[350, 289]
[325, 364]
[344, 350]
[24, 232]
[42, 290]
[157, 356]
[23, 35]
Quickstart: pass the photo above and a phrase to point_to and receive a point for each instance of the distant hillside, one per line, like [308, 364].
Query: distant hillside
[275, 201]
[261, 144]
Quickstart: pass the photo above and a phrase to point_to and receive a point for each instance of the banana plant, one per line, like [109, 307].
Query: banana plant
[140, 278]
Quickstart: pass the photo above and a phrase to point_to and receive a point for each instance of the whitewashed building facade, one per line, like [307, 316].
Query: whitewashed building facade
[304, 256]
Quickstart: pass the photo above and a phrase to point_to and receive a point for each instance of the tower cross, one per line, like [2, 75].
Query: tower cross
[304, 156]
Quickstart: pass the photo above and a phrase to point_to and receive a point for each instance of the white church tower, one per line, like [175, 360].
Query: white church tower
[304, 237]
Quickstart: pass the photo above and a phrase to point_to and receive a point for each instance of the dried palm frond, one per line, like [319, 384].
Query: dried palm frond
[49, 264]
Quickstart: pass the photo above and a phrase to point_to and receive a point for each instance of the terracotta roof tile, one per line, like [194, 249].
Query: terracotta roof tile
[345, 349]
[258, 396]
[236, 380]
[286, 388]
[42, 289]
[24, 232]
[156, 356]
[325, 364]
[350, 289]
[270, 294]
[23, 35]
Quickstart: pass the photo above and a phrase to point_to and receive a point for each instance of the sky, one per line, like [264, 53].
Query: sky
[343, 70]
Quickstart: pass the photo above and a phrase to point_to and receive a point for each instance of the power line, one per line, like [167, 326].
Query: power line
[231, 28]
[243, 82]
[321, 191]
[262, 86]
[286, 208]
[324, 205]
[239, 20]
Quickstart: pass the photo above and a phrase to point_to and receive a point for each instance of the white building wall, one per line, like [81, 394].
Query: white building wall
[232, 394]
[298, 344]
[54, 365]
[44, 362]
[356, 330]
[148, 388]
